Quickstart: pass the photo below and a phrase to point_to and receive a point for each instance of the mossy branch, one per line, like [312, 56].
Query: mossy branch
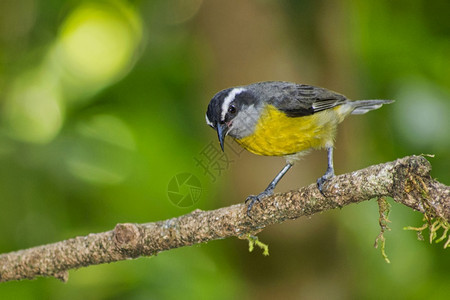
[407, 180]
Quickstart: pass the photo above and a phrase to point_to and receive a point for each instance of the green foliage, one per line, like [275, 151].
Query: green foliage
[103, 103]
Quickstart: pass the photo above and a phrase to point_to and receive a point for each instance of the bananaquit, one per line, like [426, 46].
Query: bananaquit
[282, 119]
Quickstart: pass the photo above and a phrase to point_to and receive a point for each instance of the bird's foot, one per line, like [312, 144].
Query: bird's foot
[253, 199]
[321, 182]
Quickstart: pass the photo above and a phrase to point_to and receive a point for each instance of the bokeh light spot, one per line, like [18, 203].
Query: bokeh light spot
[109, 129]
[97, 42]
[422, 112]
[97, 45]
[33, 110]
[104, 151]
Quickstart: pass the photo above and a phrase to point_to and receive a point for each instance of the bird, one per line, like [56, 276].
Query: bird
[278, 118]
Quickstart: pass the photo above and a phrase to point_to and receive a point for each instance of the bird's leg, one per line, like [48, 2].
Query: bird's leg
[268, 191]
[329, 173]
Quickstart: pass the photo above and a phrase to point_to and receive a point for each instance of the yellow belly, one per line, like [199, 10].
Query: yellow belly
[279, 135]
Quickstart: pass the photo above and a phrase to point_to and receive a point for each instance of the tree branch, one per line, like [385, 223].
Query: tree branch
[407, 180]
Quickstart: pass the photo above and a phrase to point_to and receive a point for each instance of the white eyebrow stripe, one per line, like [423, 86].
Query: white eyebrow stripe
[228, 99]
[208, 121]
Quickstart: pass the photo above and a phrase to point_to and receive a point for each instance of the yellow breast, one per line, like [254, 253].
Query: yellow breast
[277, 134]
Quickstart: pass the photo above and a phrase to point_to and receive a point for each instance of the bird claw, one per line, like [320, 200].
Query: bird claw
[322, 181]
[253, 199]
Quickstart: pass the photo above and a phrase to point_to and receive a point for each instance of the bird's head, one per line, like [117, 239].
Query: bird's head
[232, 112]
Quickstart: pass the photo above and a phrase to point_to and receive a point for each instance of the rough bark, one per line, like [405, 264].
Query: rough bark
[406, 180]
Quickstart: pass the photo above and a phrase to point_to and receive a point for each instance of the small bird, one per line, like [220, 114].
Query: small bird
[276, 118]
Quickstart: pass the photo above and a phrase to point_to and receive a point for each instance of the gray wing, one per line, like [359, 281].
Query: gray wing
[297, 100]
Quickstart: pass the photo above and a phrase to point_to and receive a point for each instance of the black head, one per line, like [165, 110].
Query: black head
[224, 107]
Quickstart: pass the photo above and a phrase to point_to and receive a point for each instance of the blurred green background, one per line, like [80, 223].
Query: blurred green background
[103, 103]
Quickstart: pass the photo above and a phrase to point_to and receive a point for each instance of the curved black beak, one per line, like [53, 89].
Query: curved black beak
[221, 132]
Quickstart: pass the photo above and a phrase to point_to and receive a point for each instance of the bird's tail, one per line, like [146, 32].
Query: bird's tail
[363, 106]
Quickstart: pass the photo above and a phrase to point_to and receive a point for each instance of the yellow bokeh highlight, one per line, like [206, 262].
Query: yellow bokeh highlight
[98, 44]
[33, 110]
[98, 41]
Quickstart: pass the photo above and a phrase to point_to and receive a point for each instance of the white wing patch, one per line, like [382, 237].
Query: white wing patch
[228, 99]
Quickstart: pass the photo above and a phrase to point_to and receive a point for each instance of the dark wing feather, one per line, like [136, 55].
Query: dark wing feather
[297, 100]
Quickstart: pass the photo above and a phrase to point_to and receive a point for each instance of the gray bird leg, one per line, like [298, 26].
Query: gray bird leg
[329, 173]
[268, 191]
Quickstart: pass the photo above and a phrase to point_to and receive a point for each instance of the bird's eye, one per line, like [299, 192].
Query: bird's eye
[232, 109]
